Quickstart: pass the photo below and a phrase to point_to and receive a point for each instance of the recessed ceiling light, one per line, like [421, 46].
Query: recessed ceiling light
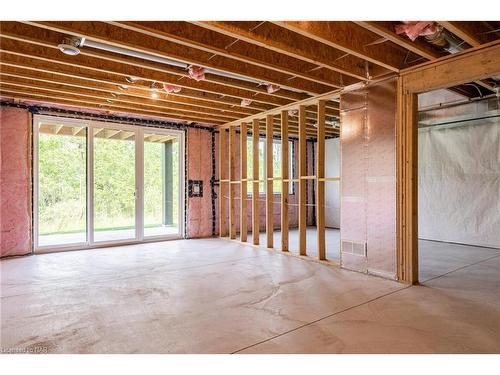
[154, 94]
[122, 87]
[109, 100]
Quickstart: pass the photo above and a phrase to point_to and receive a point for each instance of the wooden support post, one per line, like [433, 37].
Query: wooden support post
[320, 184]
[243, 184]
[269, 181]
[232, 177]
[222, 185]
[302, 182]
[284, 180]
[255, 183]
[407, 182]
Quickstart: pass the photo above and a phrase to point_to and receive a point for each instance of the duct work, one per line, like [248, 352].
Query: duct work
[432, 32]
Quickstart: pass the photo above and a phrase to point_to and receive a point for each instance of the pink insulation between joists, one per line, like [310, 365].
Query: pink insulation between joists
[171, 88]
[414, 29]
[196, 72]
[199, 167]
[15, 182]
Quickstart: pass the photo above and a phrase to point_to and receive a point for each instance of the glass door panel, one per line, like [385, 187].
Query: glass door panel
[161, 184]
[62, 184]
[114, 185]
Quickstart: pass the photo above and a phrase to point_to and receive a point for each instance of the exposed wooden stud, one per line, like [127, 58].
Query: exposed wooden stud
[243, 185]
[255, 183]
[320, 184]
[284, 183]
[302, 182]
[223, 185]
[269, 183]
[232, 187]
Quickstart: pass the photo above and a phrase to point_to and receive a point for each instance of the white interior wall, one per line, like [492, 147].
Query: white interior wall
[459, 183]
[332, 189]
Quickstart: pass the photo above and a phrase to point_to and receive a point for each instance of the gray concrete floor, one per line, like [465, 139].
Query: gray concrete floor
[332, 241]
[220, 296]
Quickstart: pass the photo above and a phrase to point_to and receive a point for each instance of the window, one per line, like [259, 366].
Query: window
[100, 182]
[276, 165]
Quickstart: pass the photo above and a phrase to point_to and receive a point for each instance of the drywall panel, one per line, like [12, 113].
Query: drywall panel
[332, 188]
[15, 181]
[459, 183]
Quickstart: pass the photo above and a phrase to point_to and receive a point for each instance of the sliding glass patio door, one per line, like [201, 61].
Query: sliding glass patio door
[98, 183]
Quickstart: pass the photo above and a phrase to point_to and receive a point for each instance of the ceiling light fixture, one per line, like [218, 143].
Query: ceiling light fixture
[164, 60]
[122, 87]
[131, 79]
[69, 46]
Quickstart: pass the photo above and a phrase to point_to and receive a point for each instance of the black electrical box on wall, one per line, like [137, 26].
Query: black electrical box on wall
[195, 188]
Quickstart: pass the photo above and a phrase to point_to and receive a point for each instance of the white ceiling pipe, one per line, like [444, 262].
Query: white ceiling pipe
[162, 60]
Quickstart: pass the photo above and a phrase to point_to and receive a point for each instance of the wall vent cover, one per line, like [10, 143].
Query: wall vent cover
[354, 248]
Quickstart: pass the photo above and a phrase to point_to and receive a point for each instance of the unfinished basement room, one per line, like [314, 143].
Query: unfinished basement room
[250, 187]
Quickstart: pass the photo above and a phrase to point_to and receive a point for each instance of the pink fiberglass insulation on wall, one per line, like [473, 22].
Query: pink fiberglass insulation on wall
[368, 175]
[15, 182]
[293, 213]
[199, 167]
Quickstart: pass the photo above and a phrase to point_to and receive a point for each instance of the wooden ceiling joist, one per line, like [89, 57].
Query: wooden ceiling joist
[280, 40]
[352, 39]
[385, 29]
[120, 68]
[163, 47]
[194, 36]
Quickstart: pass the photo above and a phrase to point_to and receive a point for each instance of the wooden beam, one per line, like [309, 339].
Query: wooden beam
[469, 65]
[110, 92]
[293, 45]
[50, 39]
[149, 104]
[350, 38]
[255, 183]
[29, 69]
[269, 183]
[275, 111]
[284, 184]
[406, 187]
[49, 97]
[229, 50]
[385, 30]
[420, 48]
[159, 44]
[223, 186]
[463, 30]
[243, 185]
[302, 182]
[108, 63]
[320, 188]
[232, 187]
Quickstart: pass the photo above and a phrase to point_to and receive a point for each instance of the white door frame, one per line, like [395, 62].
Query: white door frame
[139, 182]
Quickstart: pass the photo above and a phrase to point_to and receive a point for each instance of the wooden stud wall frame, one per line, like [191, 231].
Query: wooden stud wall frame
[470, 65]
